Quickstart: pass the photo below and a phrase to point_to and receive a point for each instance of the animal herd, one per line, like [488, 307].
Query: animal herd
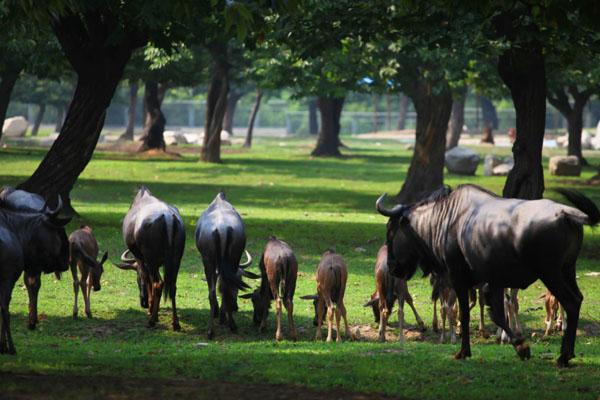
[476, 246]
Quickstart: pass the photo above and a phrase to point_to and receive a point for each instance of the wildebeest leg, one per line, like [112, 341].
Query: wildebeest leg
[482, 331]
[289, 305]
[338, 333]
[73, 266]
[211, 280]
[495, 299]
[320, 315]
[383, 318]
[443, 313]
[463, 303]
[560, 320]
[174, 317]
[434, 323]
[6, 342]
[342, 308]
[549, 313]
[33, 284]
[409, 301]
[401, 319]
[568, 294]
[278, 334]
[86, 288]
[329, 320]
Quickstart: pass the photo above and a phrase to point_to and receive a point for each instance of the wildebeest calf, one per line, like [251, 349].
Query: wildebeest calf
[332, 275]
[442, 291]
[83, 251]
[552, 307]
[389, 289]
[279, 270]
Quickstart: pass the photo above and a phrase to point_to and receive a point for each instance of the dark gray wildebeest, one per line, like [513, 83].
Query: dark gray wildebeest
[83, 251]
[21, 200]
[390, 289]
[221, 241]
[36, 240]
[477, 237]
[332, 275]
[155, 235]
[279, 271]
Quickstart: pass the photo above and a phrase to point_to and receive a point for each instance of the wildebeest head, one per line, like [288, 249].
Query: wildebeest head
[403, 256]
[130, 263]
[261, 297]
[96, 271]
[315, 299]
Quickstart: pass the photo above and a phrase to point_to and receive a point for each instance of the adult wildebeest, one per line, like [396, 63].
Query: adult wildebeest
[279, 271]
[221, 241]
[332, 275]
[155, 234]
[476, 237]
[37, 240]
[83, 250]
[21, 200]
[389, 289]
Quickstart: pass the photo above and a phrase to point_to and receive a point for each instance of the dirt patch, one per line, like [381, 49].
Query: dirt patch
[33, 386]
[369, 333]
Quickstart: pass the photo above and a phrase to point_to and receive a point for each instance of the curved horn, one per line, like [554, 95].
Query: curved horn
[310, 297]
[247, 263]
[54, 213]
[126, 266]
[249, 274]
[125, 259]
[394, 212]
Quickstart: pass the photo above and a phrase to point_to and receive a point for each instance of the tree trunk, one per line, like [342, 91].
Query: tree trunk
[232, 101]
[61, 114]
[216, 103]
[457, 118]
[375, 112]
[522, 70]
[99, 64]
[38, 119]
[253, 114]
[131, 111]
[402, 112]
[426, 171]
[7, 83]
[155, 125]
[328, 141]
[313, 123]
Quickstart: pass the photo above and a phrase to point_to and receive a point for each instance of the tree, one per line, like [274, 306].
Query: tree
[253, 113]
[457, 117]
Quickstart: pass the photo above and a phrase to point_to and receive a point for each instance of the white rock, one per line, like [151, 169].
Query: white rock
[586, 140]
[174, 138]
[564, 166]
[489, 163]
[562, 141]
[462, 161]
[501, 170]
[15, 127]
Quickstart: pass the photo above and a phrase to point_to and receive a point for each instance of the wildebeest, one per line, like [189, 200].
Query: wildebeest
[83, 251]
[443, 292]
[552, 307]
[221, 241]
[475, 236]
[278, 270]
[511, 315]
[332, 275]
[37, 240]
[21, 200]
[155, 234]
[389, 289]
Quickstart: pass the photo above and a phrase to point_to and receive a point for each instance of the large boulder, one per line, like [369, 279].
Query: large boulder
[564, 166]
[462, 161]
[489, 163]
[15, 127]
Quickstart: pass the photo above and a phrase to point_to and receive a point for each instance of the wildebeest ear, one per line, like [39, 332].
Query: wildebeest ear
[310, 297]
[104, 257]
[246, 295]
[371, 302]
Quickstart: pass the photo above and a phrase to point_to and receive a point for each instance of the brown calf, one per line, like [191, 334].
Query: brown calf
[279, 271]
[442, 291]
[511, 312]
[332, 275]
[552, 313]
[83, 250]
[388, 290]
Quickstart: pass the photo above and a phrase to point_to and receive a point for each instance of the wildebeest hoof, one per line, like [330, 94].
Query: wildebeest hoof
[563, 361]
[462, 354]
[523, 351]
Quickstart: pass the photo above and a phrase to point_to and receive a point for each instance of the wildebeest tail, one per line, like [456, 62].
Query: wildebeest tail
[583, 203]
[172, 260]
[227, 271]
[335, 293]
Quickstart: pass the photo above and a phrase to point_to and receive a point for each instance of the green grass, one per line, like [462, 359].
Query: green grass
[313, 204]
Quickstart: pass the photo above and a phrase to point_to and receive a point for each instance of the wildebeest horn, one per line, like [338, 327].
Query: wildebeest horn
[53, 213]
[126, 266]
[246, 295]
[247, 263]
[125, 259]
[249, 274]
[310, 297]
[394, 212]
[371, 302]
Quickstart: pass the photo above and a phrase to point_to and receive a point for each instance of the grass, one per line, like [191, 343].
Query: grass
[313, 204]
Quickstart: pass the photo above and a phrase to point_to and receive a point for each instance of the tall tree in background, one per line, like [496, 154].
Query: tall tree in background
[457, 117]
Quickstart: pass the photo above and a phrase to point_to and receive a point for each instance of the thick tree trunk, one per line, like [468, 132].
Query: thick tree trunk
[426, 171]
[131, 111]
[232, 101]
[575, 128]
[313, 123]
[457, 118]
[522, 70]
[216, 103]
[7, 83]
[253, 114]
[155, 124]
[99, 64]
[38, 119]
[402, 112]
[328, 142]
